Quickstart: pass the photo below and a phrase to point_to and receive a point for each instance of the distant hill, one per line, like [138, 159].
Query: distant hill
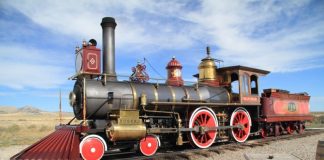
[29, 109]
[25, 109]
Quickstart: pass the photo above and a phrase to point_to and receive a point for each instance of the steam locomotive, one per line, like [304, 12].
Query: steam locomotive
[224, 104]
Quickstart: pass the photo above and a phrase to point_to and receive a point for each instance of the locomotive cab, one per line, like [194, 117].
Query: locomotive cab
[242, 83]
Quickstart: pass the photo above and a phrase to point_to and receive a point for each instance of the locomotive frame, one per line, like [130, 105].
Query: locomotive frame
[125, 113]
[121, 114]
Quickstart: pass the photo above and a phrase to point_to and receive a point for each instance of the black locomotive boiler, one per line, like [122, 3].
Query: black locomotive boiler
[223, 104]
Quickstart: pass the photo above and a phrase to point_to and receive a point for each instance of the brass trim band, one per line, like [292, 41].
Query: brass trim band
[186, 92]
[172, 93]
[135, 101]
[156, 96]
[199, 95]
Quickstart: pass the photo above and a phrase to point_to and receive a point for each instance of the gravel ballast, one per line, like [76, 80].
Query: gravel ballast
[301, 148]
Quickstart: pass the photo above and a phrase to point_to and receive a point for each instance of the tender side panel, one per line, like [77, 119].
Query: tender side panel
[282, 106]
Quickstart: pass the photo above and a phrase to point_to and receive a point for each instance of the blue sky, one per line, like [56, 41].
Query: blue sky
[38, 38]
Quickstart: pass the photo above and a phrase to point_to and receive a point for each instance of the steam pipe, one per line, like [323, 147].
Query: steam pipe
[108, 25]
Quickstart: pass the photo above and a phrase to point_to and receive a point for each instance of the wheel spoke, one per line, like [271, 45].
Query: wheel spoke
[244, 132]
[201, 138]
[208, 121]
[202, 119]
[236, 120]
[208, 135]
[243, 117]
[206, 138]
[206, 118]
[196, 123]
[199, 122]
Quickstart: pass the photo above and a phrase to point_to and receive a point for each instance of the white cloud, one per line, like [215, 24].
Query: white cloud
[23, 67]
[82, 19]
[272, 35]
[255, 34]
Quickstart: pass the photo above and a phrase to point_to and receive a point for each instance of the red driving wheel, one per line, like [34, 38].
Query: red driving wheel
[92, 147]
[149, 145]
[277, 130]
[289, 129]
[203, 117]
[301, 128]
[263, 132]
[241, 117]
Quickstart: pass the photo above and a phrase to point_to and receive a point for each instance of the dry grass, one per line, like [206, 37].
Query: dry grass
[27, 128]
[318, 121]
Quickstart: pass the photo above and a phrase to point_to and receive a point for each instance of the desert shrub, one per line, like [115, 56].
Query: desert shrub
[13, 128]
[43, 128]
[33, 126]
[319, 120]
[2, 129]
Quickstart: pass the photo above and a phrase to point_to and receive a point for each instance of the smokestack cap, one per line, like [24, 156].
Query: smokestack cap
[108, 21]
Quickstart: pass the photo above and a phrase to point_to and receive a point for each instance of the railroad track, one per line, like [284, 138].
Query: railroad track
[186, 152]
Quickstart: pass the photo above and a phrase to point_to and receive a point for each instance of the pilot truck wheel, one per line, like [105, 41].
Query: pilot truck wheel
[92, 147]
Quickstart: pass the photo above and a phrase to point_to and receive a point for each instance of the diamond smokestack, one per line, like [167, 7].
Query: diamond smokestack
[108, 25]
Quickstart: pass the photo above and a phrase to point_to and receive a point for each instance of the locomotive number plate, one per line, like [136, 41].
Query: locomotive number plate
[292, 107]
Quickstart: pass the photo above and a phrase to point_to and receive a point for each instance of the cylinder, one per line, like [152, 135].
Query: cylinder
[108, 25]
[118, 132]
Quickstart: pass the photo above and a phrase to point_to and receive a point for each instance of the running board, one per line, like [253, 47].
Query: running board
[63, 143]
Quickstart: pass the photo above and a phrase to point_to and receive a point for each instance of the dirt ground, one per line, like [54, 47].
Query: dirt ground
[7, 152]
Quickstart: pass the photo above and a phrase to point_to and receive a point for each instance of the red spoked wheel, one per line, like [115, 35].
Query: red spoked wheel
[92, 147]
[241, 116]
[203, 117]
[289, 129]
[277, 130]
[149, 145]
[301, 128]
[263, 132]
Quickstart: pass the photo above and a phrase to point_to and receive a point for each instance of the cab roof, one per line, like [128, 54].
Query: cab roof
[239, 67]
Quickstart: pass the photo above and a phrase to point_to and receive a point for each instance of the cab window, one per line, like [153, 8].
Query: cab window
[245, 84]
[234, 83]
[254, 84]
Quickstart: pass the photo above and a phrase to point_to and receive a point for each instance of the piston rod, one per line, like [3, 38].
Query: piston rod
[195, 129]
[199, 104]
